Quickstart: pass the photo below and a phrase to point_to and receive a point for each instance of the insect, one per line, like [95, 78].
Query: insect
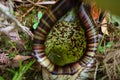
[47, 22]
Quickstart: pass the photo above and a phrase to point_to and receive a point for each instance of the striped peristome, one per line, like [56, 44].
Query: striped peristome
[48, 20]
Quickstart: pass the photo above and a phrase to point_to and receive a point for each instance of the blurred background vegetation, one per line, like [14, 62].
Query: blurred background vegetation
[111, 5]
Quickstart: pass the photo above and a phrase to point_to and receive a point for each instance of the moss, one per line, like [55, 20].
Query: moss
[65, 43]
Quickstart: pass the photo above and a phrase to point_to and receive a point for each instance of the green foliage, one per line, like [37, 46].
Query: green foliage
[109, 44]
[101, 48]
[8, 46]
[28, 42]
[36, 22]
[39, 15]
[22, 70]
[1, 78]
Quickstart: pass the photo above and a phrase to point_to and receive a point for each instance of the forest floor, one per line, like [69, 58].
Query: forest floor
[16, 59]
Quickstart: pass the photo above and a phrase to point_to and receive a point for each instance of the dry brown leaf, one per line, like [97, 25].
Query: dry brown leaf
[95, 11]
[21, 58]
[104, 27]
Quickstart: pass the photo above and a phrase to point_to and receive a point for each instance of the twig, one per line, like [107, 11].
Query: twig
[47, 2]
[96, 70]
[35, 4]
[19, 1]
[28, 11]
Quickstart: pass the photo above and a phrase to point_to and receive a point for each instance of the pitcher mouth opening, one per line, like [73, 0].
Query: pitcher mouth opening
[66, 43]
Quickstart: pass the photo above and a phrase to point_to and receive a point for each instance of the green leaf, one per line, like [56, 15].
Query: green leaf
[35, 25]
[109, 44]
[11, 70]
[1, 78]
[39, 15]
[22, 70]
[101, 49]
[34, 20]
